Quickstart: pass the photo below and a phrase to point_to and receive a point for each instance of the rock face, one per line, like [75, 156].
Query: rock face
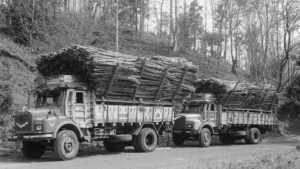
[16, 79]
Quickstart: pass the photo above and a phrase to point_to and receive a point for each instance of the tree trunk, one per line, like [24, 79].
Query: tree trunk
[175, 38]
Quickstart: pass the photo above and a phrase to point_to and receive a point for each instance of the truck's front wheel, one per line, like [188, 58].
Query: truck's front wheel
[253, 136]
[178, 139]
[113, 147]
[33, 150]
[66, 145]
[204, 137]
[147, 140]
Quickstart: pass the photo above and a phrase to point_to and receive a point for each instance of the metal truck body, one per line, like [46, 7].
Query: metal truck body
[66, 113]
[204, 117]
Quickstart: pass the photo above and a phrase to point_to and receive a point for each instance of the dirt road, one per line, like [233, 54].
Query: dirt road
[189, 156]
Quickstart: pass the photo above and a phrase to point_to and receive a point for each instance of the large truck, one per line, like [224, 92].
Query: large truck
[65, 113]
[204, 117]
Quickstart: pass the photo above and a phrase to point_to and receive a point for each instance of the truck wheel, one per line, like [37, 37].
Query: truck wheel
[226, 139]
[113, 146]
[147, 140]
[253, 136]
[66, 145]
[33, 150]
[178, 139]
[204, 137]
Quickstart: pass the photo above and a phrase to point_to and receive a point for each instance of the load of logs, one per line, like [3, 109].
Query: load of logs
[237, 94]
[116, 76]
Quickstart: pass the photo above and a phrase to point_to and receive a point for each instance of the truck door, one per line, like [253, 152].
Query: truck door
[211, 112]
[79, 113]
[76, 106]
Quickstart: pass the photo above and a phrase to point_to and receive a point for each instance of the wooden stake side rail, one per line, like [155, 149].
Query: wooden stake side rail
[105, 113]
[247, 117]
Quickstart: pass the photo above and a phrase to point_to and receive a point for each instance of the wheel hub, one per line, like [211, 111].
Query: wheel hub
[206, 137]
[69, 145]
[149, 140]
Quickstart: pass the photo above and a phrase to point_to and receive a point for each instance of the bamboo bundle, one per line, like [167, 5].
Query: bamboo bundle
[239, 94]
[119, 76]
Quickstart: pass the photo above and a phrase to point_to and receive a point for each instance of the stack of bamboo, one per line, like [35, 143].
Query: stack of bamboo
[117, 76]
[239, 94]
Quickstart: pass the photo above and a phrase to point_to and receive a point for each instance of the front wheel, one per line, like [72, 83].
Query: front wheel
[204, 137]
[178, 139]
[66, 145]
[33, 150]
[147, 140]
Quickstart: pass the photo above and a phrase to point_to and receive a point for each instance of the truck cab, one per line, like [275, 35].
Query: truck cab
[198, 120]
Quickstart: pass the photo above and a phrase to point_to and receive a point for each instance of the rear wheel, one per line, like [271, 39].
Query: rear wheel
[204, 137]
[113, 146]
[253, 136]
[33, 150]
[178, 139]
[66, 145]
[146, 140]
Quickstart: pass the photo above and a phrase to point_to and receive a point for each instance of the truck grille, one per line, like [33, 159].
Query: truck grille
[180, 123]
[23, 122]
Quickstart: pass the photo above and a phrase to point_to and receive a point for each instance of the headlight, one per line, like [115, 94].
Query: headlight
[38, 127]
[189, 126]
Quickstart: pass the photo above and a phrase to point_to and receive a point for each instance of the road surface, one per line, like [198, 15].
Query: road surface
[189, 156]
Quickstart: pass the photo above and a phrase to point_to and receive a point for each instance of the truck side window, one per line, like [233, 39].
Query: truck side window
[79, 97]
[70, 96]
[212, 107]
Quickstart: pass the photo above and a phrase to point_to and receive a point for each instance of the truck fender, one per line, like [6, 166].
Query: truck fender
[70, 126]
[205, 125]
[144, 125]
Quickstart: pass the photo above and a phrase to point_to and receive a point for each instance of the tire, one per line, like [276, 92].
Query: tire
[66, 145]
[178, 139]
[147, 140]
[113, 146]
[204, 137]
[253, 136]
[33, 150]
[226, 139]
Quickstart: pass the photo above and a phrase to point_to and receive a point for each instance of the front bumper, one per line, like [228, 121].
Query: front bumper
[32, 137]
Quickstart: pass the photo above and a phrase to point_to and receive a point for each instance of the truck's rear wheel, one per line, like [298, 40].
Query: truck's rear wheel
[147, 140]
[113, 146]
[226, 139]
[204, 137]
[66, 145]
[33, 150]
[178, 139]
[253, 136]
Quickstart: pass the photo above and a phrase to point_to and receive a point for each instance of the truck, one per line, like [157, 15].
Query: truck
[204, 116]
[66, 113]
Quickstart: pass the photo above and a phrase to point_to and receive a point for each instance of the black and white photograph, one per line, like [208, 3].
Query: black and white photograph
[150, 84]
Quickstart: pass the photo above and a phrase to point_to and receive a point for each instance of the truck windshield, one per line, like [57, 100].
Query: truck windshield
[197, 108]
[49, 98]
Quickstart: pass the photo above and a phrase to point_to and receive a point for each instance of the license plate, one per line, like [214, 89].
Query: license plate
[177, 131]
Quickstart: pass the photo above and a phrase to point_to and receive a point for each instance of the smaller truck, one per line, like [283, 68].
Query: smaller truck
[204, 117]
